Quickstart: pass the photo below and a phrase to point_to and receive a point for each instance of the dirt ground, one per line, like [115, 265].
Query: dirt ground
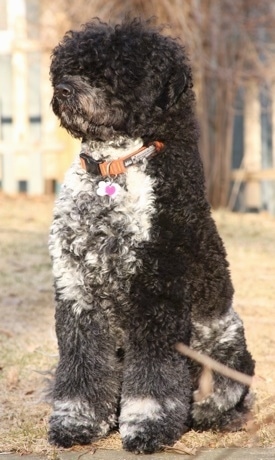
[27, 338]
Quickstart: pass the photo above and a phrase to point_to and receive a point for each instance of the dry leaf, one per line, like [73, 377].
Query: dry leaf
[251, 426]
[181, 448]
[7, 333]
[29, 392]
[13, 378]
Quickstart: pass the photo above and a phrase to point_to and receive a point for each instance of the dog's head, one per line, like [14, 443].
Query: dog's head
[123, 80]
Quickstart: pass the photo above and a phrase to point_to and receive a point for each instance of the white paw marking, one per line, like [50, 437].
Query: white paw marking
[79, 413]
[134, 411]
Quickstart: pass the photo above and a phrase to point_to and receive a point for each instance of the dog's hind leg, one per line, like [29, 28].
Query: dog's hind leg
[86, 387]
[223, 339]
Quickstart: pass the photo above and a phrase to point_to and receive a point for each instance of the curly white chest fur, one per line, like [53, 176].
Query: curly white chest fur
[93, 238]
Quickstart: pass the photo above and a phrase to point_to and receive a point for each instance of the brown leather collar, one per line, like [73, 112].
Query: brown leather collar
[119, 166]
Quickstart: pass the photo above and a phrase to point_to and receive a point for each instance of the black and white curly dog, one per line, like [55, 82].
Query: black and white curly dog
[137, 260]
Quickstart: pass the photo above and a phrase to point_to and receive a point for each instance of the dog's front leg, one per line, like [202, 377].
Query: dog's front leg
[86, 383]
[156, 392]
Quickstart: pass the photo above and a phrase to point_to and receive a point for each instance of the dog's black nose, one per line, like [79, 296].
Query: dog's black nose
[63, 90]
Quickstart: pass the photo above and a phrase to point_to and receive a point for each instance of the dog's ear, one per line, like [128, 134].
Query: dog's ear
[174, 87]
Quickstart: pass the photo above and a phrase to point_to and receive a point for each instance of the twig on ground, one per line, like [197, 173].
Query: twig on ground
[205, 385]
[91, 451]
[210, 363]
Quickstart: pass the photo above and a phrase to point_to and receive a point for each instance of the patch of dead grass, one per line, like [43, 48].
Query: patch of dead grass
[27, 338]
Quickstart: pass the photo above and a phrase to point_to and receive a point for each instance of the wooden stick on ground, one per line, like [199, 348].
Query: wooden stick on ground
[213, 365]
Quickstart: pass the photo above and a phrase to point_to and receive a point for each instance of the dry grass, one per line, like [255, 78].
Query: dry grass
[27, 339]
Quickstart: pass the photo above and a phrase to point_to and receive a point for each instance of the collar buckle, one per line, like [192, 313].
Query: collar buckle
[90, 165]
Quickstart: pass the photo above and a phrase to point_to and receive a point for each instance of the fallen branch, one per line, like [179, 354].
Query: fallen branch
[210, 363]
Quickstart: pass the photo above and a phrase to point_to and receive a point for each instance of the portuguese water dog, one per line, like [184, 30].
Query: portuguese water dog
[138, 263]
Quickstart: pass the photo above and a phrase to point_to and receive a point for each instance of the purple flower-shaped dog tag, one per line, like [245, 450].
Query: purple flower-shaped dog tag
[107, 188]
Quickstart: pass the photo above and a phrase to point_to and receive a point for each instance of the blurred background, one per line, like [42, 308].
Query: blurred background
[231, 45]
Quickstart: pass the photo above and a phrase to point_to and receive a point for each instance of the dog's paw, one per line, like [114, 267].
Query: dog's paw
[147, 437]
[230, 420]
[222, 410]
[61, 435]
[146, 426]
[75, 423]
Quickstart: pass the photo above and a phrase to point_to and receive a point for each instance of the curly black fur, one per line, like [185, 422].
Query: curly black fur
[140, 272]
[123, 62]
